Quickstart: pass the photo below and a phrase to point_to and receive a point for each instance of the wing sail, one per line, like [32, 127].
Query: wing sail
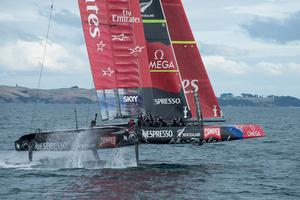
[115, 43]
[168, 96]
[192, 70]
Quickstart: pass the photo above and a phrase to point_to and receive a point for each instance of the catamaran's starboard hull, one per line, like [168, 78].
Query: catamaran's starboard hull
[113, 137]
[196, 134]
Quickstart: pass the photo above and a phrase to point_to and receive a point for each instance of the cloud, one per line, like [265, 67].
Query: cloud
[215, 49]
[260, 78]
[29, 20]
[67, 18]
[278, 69]
[6, 17]
[221, 64]
[26, 56]
[278, 9]
[270, 29]
[225, 66]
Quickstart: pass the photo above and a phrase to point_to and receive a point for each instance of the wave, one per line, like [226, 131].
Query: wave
[50, 160]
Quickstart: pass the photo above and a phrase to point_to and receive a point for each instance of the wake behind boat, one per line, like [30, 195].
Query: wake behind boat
[145, 62]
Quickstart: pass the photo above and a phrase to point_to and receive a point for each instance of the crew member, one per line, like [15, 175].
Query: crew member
[131, 123]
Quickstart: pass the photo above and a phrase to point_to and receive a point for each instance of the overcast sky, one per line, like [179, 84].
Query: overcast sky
[247, 45]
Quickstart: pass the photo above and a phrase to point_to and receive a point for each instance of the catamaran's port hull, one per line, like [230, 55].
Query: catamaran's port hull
[118, 136]
[81, 139]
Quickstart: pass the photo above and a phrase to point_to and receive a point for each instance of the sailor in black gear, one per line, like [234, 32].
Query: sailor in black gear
[174, 122]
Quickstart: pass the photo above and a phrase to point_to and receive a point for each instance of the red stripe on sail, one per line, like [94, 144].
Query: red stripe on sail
[189, 61]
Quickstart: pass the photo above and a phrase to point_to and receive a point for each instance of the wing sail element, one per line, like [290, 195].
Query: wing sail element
[168, 96]
[192, 70]
[115, 43]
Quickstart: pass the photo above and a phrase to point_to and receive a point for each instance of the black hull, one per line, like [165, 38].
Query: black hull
[120, 136]
[67, 140]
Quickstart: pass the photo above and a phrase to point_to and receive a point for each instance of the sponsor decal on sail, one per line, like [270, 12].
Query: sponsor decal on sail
[126, 17]
[145, 5]
[167, 101]
[160, 63]
[130, 99]
[212, 132]
[157, 134]
[190, 86]
[93, 19]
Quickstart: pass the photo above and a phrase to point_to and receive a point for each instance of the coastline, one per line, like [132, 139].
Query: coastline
[76, 95]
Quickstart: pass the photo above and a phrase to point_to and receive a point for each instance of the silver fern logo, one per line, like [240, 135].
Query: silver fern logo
[145, 5]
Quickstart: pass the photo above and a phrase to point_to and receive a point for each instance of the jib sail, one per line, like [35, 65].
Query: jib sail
[192, 70]
[168, 96]
[117, 52]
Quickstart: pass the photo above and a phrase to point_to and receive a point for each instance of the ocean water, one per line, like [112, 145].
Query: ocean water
[264, 168]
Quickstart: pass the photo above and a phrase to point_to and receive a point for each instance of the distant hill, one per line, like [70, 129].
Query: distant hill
[228, 99]
[10, 94]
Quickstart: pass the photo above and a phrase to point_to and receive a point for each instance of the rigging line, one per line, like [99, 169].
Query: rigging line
[42, 65]
[89, 105]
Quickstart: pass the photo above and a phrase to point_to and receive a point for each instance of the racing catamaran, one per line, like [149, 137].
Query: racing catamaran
[147, 70]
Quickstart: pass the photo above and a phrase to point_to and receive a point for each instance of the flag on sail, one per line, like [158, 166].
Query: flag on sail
[115, 43]
[192, 70]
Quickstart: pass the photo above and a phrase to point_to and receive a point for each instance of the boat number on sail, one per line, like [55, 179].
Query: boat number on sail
[157, 134]
[190, 86]
[126, 17]
[160, 62]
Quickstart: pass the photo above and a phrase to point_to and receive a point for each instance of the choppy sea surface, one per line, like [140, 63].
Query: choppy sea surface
[264, 168]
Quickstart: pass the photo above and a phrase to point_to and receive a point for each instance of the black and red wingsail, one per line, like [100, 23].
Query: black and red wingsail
[132, 59]
[192, 70]
[168, 96]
